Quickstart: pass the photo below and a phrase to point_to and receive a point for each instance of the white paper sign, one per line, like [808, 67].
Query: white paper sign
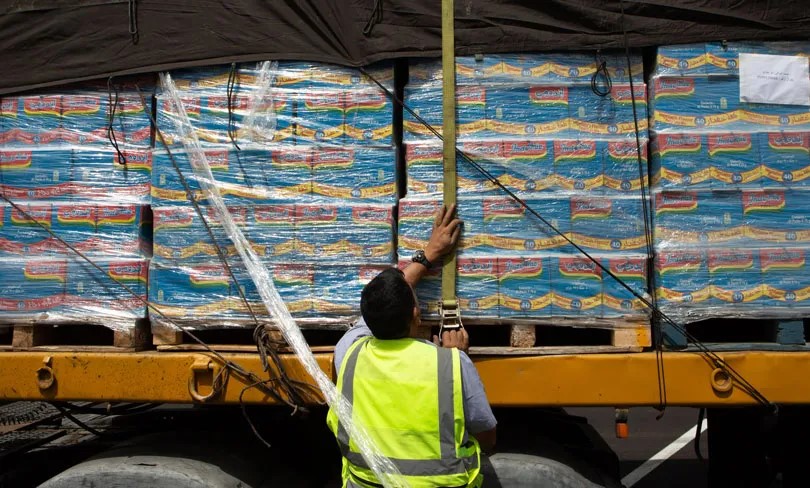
[780, 80]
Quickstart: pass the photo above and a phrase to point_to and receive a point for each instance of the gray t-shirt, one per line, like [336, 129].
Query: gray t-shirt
[477, 412]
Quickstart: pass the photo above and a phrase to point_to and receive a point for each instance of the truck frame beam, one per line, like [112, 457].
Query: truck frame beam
[585, 380]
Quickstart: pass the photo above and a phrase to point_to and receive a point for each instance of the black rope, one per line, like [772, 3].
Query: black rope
[712, 357]
[229, 93]
[647, 213]
[76, 421]
[112, 88]
[375, 18]
[698, 428]
[132, 13]
[601, 75]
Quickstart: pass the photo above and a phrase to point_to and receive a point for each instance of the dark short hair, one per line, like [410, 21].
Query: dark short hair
[387, 304]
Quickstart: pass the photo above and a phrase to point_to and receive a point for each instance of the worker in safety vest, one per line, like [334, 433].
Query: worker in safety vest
[422, 403]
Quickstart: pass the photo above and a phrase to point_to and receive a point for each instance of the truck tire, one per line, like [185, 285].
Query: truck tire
[145, 472]
[523, 470]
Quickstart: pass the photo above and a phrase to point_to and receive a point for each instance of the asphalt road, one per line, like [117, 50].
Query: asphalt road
[647, 437]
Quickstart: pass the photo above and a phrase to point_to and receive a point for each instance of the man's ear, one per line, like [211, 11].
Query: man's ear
[416, 319]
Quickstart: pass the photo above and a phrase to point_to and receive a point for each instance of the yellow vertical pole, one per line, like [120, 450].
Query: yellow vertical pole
[449, 133]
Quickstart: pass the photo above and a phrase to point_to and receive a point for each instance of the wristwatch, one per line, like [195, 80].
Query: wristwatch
[419, 257]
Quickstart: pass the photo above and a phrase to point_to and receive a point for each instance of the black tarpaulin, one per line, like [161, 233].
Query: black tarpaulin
[51, 42]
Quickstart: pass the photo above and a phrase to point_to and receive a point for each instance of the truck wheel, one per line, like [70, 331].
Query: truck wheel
[523, 470]
[145, 472]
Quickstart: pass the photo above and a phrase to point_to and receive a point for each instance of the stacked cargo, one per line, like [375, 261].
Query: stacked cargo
[559, 131]
[732, 210]
[77, 163]
[304, 156]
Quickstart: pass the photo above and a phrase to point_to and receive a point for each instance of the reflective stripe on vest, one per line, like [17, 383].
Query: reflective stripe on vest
[457, 463]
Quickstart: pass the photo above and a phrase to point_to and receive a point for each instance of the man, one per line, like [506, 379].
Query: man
[422, 403]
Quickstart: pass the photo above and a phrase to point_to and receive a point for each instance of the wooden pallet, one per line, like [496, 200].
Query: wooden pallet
[74, 336]
[554, 338]
[741, 334]
[238, 337]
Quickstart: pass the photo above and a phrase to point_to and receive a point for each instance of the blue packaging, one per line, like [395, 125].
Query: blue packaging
[415, 224]
[608, 116]
[121, 230]
[35, 175]
[34, 120]
[254, 120]
[524, 287]
[616, 299]
[685, 103]
[774, 217]
[714, 104]
[284, 172]
[507, 226]
[103, 175]
[682, 281]
[470, 70]
[426, 101]
[354, 234]
[698, 219]
[785, 158]
[723, 58]
[77, 225]
[425, 170]
[681, 60]
[337, 289]
[190, 292]
[8, 114]
[620, 163]
[528, 110]
[578, 164]
[179, 234]
[785, 280]
[295, 283]
[488, 155]
[86, 119]
[369, 118]
[681, 161]
[247, 176]
[170, 125]
[319, 116]
[215, 78]
[167, 185]
[354, 174]
[22, 234]
[528, 166]
[91, 292]
[572, 68]
[304, 75]
[736, 279]
[477, 286]
[222, 117]
[735, 160]
[608, 224]
[576, 285]
[370, 238]
[271, 231]
[32, 286]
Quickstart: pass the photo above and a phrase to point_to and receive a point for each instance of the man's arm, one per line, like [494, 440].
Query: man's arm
[478, 417]
[446, 229]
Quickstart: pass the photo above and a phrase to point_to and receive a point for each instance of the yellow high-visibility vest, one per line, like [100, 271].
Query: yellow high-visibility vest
[407, 396]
